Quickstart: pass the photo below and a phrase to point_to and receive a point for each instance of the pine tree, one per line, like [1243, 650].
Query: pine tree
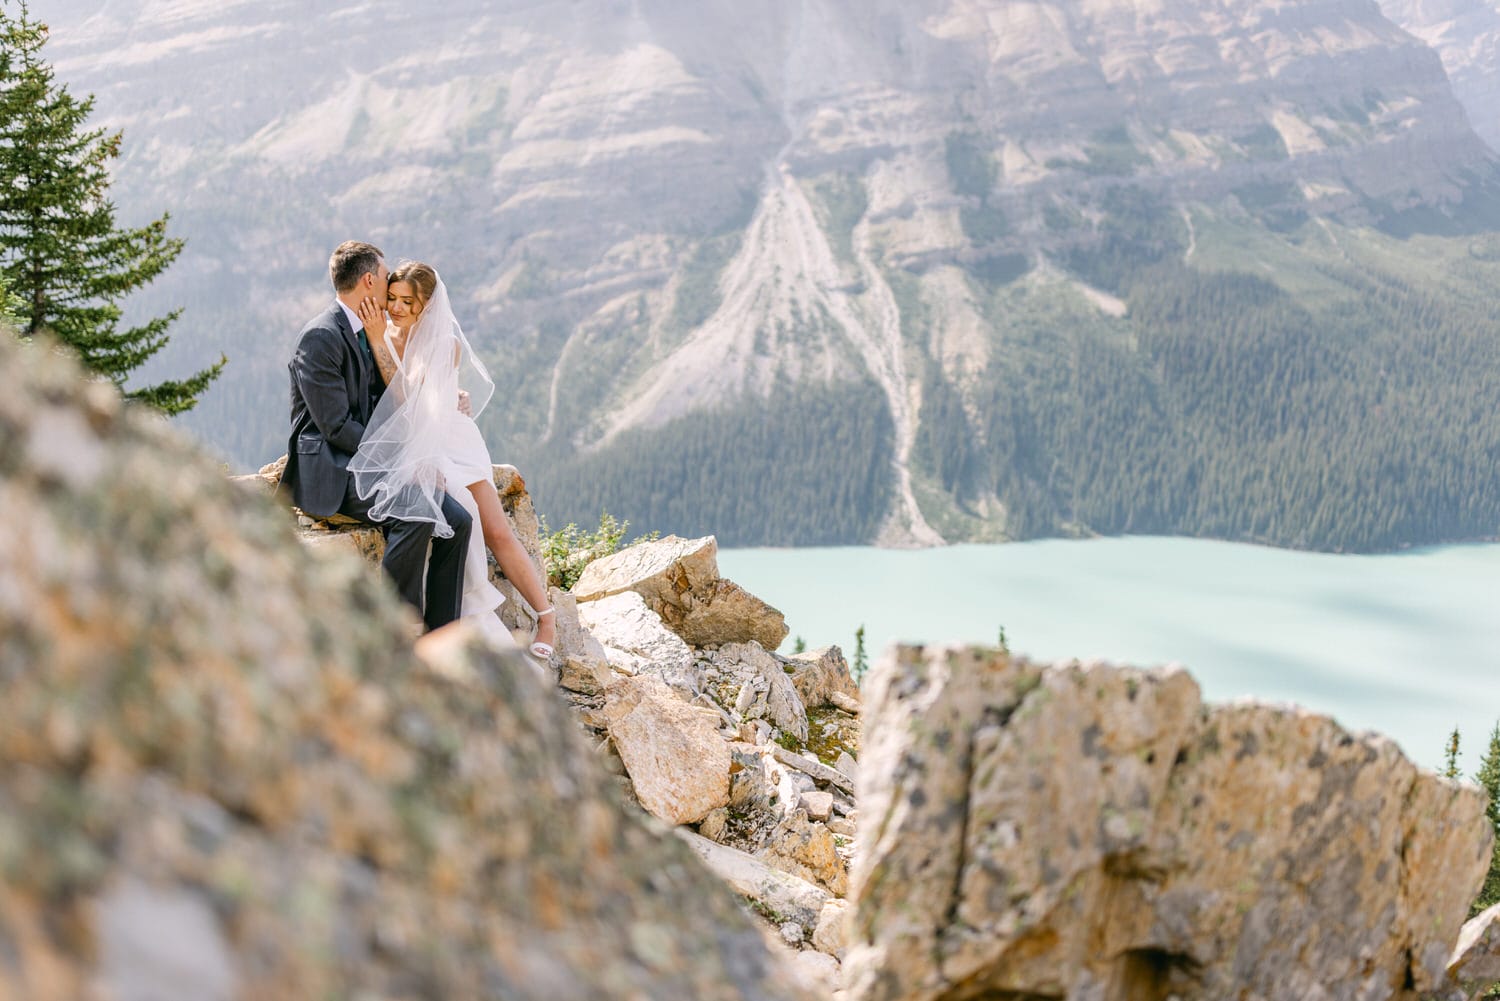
[10, 307]
[1450, 756]
[799, 645]
[1488, 779]
[60, 251]
[861, 664]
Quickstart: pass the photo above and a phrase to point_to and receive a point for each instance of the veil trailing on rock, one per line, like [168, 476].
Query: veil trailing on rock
[407, 444]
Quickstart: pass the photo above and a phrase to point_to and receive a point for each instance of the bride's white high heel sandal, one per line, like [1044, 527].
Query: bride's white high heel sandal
[539, 650]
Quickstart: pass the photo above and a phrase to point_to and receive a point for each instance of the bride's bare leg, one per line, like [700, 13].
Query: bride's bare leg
[514, 561]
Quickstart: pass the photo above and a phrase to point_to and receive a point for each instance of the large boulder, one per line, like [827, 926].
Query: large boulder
[368, 543]
[679, 579]
[224, 772]
[636, 641]
[1092, 832]
[677, 762]
[821, 676]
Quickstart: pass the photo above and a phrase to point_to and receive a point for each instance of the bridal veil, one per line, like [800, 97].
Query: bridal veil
[408, 444]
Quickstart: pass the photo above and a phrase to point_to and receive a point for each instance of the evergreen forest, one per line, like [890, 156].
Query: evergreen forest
[807, 466]
[1229, 408]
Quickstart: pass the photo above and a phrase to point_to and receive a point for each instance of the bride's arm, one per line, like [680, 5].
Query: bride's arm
[384, 361]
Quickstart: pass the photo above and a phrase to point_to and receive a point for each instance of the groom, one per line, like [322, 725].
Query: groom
[335, 384]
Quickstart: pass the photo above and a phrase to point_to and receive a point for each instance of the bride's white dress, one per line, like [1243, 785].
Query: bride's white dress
[468, 461]
[417, 446]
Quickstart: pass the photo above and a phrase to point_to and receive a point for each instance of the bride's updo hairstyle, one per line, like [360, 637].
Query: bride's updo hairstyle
[419, 276]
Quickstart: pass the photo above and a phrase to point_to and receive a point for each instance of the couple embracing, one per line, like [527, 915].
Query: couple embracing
[385, 388]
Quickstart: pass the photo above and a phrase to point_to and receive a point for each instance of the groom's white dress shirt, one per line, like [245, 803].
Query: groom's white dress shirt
[355, 323]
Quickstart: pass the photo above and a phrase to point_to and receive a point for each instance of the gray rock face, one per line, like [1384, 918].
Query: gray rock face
[1466, 35]
[223, 772]
[1092, 832]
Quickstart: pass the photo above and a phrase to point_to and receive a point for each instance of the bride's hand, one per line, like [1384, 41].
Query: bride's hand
[373, 317]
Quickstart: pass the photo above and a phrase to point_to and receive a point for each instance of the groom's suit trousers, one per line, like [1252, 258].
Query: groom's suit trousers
[406, 555]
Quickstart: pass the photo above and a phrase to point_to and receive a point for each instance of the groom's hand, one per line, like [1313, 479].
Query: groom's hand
[373, 316]
[464, 406]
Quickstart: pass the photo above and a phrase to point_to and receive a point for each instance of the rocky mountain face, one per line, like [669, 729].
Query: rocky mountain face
[654, 213]
[1466, 35]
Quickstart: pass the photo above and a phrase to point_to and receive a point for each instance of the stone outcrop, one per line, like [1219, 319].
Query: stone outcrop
[584, 665]
[679, 580]
[1092, 832]
[367, 542]
[677, 762]
[224, 772]
[784, 897]
[821, 675]
[755, 684]
[1474, 968]
[698, 736]
[636, 641]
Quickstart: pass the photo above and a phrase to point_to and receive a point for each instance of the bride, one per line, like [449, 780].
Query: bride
[418, 444]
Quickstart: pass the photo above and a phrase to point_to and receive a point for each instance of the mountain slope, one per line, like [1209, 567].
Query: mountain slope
[665, 227]
[1466, 35]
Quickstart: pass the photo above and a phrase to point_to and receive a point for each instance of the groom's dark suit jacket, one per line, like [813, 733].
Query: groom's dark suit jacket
[334, 389]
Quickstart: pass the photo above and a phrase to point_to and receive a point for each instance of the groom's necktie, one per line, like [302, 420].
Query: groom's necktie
[375, 385]
[364, 345]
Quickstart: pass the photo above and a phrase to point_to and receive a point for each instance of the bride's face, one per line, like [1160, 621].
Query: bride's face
[402, 304]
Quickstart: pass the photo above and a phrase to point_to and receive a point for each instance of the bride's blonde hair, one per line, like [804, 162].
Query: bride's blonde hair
[419, 276]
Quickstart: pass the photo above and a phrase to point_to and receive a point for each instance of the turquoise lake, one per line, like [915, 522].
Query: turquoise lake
[1407, 643]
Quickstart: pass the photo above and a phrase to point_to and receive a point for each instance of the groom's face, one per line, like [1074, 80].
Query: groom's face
[381, 278]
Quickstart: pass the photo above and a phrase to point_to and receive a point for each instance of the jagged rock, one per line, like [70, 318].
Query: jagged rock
[807, 850]
[367, 542]
[748, 787]
[780, 896]
[677, 762]
[850, 704]
[1082, 832]
[818, 674]
[224, 773]
[847, 766]
[1474, 967]
[819, 805]
[832, 932]
[815, 769]
[516, 500]
[679, 578]
[585, 665]
[765, 690]
[635, 641]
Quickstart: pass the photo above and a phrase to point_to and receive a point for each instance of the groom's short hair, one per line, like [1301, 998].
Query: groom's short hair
[351, 260]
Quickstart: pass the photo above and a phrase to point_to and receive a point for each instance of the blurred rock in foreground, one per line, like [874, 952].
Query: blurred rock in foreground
[223, 772]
